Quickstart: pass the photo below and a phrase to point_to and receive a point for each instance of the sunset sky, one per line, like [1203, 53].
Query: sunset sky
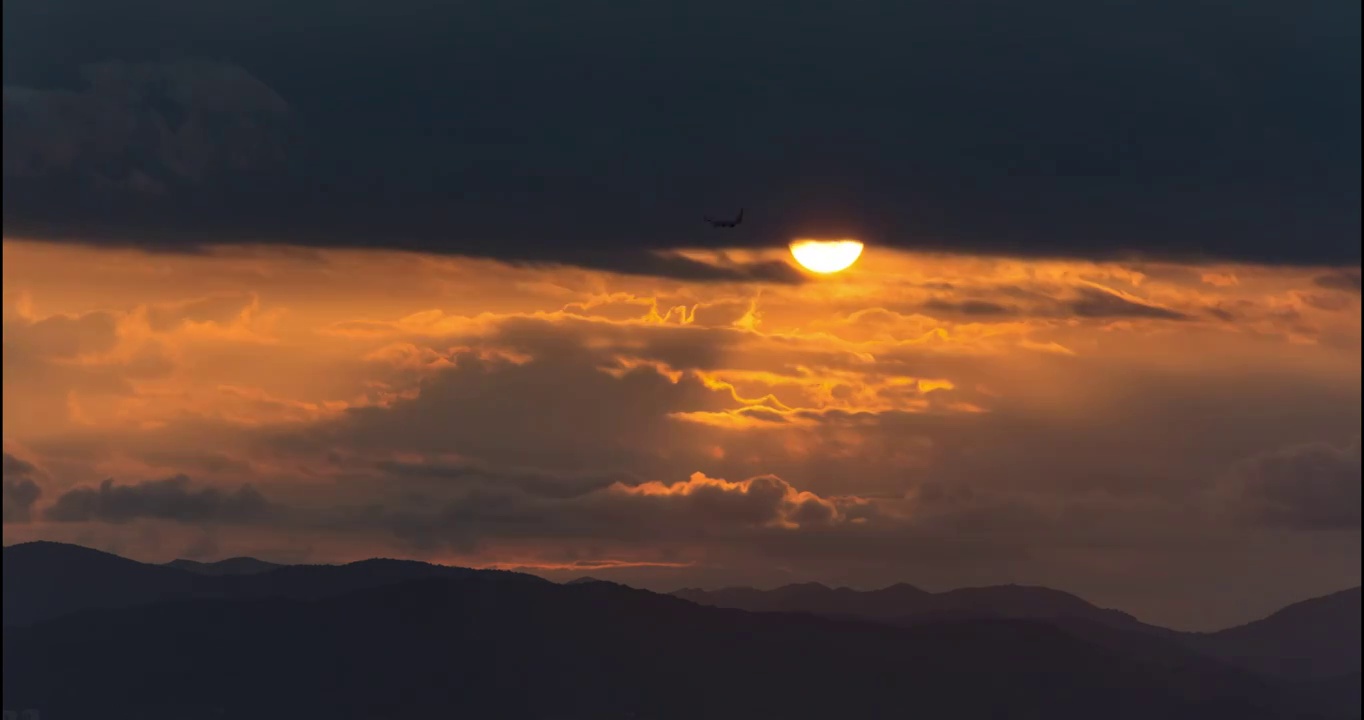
[335, 299]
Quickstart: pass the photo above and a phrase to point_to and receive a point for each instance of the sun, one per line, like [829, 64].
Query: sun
[826, 256]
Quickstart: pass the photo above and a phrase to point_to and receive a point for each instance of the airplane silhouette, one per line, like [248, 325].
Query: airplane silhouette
[727, 223]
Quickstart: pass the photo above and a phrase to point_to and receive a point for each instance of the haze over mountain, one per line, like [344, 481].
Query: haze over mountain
[901, 600]
[1318, 637]
[88, 631]
[1315, 638]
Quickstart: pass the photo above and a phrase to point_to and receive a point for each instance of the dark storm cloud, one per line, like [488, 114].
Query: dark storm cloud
[591, 134]
[143, 128]
[170, 499]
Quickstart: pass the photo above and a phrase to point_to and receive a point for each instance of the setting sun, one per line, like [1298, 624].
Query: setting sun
[826, 256]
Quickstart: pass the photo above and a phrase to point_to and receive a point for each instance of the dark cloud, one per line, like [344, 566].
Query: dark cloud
[557, 411]
[21, 490]
[592, 135]
[473, 475]
[170, 499]
[1314, 486]
[699, 508]
[144, 128]
[1348, 280]
[1096, 303]
[1221, 313]
[1083, 301]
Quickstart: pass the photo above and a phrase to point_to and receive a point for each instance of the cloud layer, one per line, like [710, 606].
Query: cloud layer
[1132, 432]
[596, 136]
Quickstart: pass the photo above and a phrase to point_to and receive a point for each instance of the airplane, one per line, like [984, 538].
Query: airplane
[727, 223]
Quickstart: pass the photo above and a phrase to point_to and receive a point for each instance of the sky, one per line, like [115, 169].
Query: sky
[430, 280]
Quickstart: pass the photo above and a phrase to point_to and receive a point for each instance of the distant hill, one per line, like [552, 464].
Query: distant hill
[43, 580]
[901, 601]
[1314, 639]
[495, 646]
[230, 566]
[46, 579]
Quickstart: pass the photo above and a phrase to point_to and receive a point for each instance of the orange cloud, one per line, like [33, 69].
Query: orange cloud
[471, 409]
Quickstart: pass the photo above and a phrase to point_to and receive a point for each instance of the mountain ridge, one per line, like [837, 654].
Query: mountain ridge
[495, 646]
[1313, 640]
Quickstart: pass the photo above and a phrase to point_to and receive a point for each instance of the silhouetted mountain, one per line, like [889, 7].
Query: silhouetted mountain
[899, 602]
[494, 646]
[1311, 639]
[88, 632]
[1316, 639]
[230, 566]
[45, 580]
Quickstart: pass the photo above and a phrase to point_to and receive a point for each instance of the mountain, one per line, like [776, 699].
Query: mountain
[901, 602]
[1315, 638]
[47, 579]
[393, 637]
[494, 646]
[43, 580]
[230, 566]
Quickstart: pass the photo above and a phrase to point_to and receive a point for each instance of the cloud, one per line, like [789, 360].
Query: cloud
[699, 509]
[556, 410]
[21, 490]
[1130, 130]
[139, 129]
[65, 336]
[533, 483]
[1313, 486]
[970, 307]
[218, 309]
[168, 499]
[480, 413]
[1347, 280]
[1096, 303]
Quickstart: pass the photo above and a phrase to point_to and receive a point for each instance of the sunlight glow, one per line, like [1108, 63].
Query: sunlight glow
[826, 256]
